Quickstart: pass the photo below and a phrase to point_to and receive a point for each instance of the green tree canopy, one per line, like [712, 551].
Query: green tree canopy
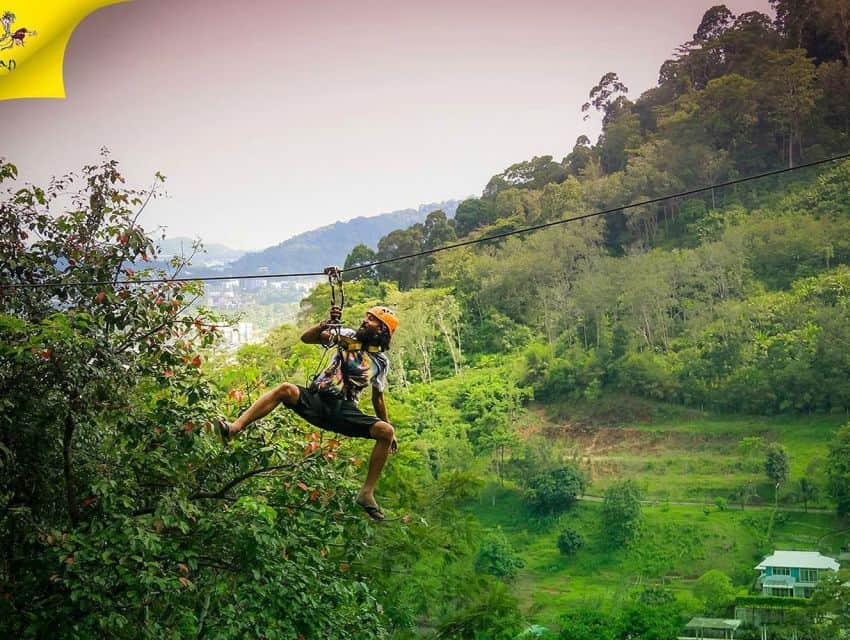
[582, 623]
[776, 464]
[621, 512]
[361, 254]
[838, 471]
[495, 615]
[715, 590]
[122, 515]
[471, 214]
[554, 490]
[497, 557]
[569, 541]
[652, 614]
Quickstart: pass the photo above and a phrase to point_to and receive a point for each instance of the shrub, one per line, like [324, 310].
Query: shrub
[838, 471]
[569, 542]
[497, 557]
[621, 512]
[587, 623]
[555, 489]
[493, 614]
[648, 375]
[715, 590]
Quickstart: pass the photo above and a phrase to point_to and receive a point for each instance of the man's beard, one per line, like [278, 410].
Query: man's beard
[368, 336]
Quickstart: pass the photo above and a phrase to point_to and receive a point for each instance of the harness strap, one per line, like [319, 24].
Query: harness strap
[349, 344]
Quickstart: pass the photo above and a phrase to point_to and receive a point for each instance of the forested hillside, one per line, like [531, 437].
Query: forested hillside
[603, 425]
[722, 300]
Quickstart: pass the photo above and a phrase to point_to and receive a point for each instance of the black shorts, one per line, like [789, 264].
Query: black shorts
[328, 412]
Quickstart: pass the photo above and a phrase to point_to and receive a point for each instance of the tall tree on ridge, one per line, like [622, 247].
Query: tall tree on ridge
[792, 19]
[833, 17]
[789, 91]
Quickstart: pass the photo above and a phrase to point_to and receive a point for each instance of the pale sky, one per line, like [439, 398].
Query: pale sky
[271, 118]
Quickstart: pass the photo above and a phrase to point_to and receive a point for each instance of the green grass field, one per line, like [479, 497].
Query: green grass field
[674, 455]
[677, 545]
[679, 454]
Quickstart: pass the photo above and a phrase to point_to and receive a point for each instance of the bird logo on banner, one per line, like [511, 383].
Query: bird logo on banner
[31, 59]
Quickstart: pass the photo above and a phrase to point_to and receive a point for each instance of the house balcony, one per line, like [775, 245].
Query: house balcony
[786, 587]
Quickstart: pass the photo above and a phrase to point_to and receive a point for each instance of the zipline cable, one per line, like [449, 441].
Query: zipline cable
[95, 283]
[456, 245]
[585, 216]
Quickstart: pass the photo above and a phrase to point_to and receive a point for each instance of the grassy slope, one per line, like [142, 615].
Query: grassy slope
[679, 454]
[678, 545]
[675, 455]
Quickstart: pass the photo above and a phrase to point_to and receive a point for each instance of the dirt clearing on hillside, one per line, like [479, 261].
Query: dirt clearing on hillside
[601, 441]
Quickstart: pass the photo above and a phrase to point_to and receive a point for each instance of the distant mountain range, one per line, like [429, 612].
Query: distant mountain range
[213, 255]
[308, 251]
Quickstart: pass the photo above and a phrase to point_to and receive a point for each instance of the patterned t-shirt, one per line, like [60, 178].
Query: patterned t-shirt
[350, 372]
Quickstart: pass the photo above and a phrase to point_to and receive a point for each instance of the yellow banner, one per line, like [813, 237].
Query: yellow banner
[33, 37]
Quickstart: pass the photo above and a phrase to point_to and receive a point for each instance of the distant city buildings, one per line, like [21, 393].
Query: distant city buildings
[233, 294]
[260, 304]
[238, 334]
[256, 283]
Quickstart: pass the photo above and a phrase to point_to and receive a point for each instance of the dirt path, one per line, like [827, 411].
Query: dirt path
[760, 507]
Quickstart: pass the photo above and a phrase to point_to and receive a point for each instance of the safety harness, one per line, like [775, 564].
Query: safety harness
[343, 344]
[350, 344]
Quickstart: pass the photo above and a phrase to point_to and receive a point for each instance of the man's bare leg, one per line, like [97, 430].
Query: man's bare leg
[384, 435]
[285, 393]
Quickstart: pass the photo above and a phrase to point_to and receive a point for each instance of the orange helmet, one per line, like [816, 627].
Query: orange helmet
[386, 316]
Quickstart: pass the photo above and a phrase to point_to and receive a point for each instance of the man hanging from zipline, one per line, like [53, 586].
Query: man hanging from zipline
[330, 401]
